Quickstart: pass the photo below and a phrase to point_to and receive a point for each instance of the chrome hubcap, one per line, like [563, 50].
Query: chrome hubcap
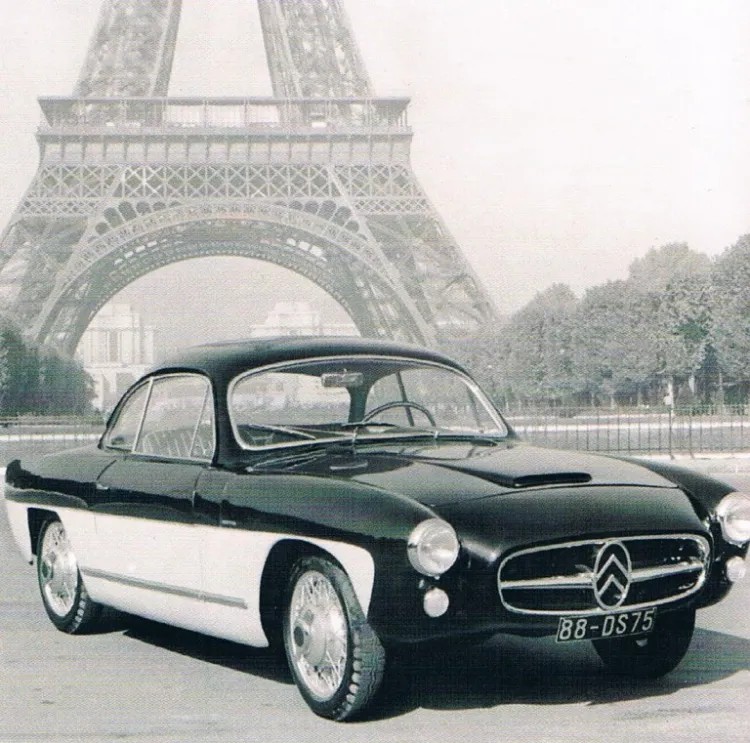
[318, 635]
[58, 570]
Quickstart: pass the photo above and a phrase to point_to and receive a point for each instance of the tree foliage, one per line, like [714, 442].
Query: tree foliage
[662, 266]
[679, 322]
[731, 311]
[615, 342]
[39, 380]
[538, 339]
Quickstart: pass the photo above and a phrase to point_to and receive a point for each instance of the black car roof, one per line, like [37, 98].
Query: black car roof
[232, 357]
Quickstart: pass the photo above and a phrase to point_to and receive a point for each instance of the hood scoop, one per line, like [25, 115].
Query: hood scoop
[550, 478]
[519, 477]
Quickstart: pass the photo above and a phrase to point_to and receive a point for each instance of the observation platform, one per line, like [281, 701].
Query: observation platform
[227, 130]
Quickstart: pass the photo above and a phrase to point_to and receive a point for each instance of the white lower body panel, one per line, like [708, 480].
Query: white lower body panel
[201, 578]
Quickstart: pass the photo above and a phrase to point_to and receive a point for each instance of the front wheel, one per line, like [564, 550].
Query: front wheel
[653, 655]
[64, 595]
[334, 655]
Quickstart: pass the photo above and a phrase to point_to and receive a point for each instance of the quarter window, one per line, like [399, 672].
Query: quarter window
[178, 422]
[123, 432]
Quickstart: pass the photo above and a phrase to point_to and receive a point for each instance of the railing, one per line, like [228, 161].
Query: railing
[134, 115]
[688, 430]
[39, 434]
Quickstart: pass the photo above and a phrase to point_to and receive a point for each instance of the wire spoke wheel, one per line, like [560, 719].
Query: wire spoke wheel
[58, 570]
[335, 657]
[64, 595]
[319, 634]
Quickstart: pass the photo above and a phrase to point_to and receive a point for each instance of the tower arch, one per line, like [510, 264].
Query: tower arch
[333, 257]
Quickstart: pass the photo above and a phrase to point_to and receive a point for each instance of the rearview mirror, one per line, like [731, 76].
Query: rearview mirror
[344, 378]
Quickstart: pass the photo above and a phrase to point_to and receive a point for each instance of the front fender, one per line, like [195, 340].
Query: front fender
[704, 490]
[706, 493]
[364, 527]
[318, 507]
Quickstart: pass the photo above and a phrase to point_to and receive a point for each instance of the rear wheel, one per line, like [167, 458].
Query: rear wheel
[335, 656]
[655, 654]
[64, 594]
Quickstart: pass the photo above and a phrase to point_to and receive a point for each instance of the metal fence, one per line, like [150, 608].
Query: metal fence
[681, 430]
[40, 435]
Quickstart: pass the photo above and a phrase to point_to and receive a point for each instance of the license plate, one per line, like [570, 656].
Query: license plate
[604, 626]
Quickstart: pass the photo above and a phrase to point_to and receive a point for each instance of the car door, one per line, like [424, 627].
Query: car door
[149, 550]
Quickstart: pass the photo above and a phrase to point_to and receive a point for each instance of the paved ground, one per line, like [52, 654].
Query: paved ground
[146, 683]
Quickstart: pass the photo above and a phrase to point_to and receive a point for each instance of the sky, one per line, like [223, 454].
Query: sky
[558, 139]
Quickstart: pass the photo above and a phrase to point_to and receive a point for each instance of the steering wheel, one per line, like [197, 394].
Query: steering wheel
[400, 404]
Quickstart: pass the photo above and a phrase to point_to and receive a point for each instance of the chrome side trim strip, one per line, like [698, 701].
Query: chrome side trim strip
[235, 603]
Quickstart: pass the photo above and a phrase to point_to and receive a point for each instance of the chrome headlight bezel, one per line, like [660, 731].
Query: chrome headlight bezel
[733, 514]
[433, 547]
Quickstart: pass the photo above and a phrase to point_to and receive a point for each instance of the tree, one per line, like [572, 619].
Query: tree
[4, 365]
[484, 356]
[16, 376]
[730, 334]
[677, 282]
[539, 346]
[615, 342]
[665, 265]
[64, 386]
[39, 380]
[685, 321]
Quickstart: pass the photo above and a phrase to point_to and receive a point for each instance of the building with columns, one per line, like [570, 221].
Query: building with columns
[115, 350]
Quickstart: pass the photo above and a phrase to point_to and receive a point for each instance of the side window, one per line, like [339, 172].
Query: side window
[123, 432]
[179, 419]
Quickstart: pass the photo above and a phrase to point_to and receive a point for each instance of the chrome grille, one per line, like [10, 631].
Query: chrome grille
[603, 575]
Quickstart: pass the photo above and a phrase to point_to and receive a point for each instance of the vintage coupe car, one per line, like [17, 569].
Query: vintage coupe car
[343, 497]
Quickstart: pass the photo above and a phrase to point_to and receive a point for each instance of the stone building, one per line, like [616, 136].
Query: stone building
[115, 350]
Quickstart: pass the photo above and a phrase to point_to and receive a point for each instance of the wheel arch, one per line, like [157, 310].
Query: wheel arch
[36, 519]
[355, 561]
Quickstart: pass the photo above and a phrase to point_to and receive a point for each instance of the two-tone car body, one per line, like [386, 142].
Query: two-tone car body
[346, 496]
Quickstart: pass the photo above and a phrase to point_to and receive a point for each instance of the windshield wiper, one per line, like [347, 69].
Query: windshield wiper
[297, 459]
[446, 434]
[365, 424]
[277, 429]
[393, 431]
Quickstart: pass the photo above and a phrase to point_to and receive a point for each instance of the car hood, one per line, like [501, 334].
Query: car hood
[511, 494]
[439, 474]
[500, 496]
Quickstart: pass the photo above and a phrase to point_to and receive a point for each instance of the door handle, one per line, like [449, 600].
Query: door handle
[101, 487]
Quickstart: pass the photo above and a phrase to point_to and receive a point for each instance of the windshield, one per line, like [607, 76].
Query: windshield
[363, 397]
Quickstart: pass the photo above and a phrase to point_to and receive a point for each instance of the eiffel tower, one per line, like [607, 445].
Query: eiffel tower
[316, 179]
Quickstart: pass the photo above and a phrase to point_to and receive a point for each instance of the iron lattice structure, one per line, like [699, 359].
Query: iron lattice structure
[316, 178]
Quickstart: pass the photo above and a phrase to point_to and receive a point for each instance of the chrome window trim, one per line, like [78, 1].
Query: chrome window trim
[129, 395]
[470, 383]
[143, 416]
[584, 579]
[208, 396]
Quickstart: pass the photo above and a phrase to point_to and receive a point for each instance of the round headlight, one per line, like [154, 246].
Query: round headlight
[734, 516]
[433, 547]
